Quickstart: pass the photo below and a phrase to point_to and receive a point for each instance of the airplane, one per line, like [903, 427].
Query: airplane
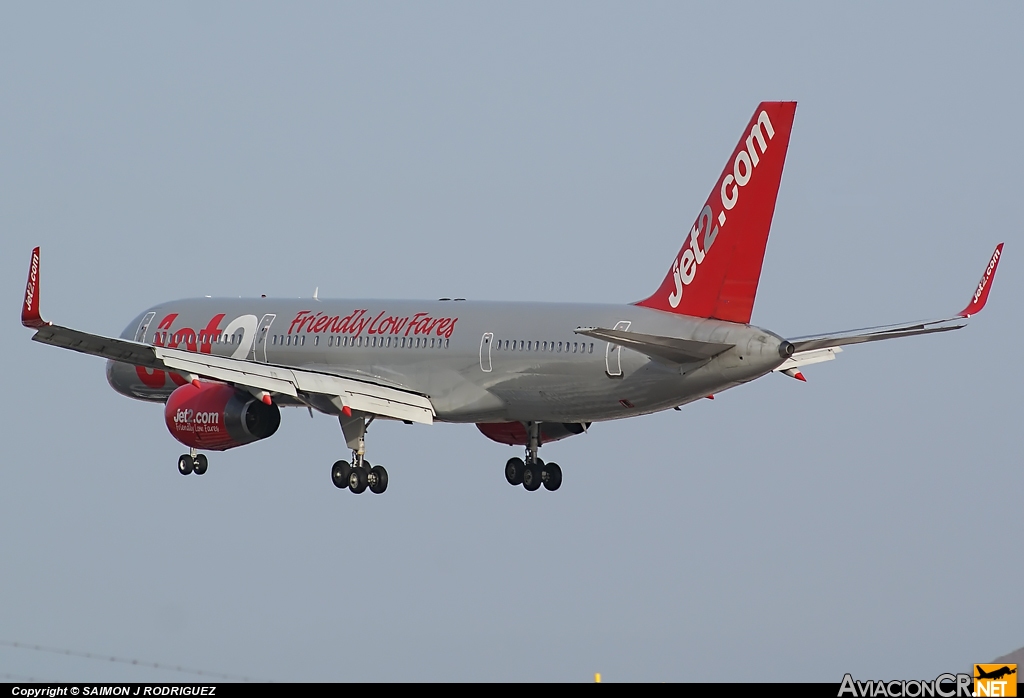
[525, 373]
[995, 674]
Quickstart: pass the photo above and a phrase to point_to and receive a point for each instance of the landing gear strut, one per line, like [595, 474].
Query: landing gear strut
[359, 475]
[533, 472]
[193, 462]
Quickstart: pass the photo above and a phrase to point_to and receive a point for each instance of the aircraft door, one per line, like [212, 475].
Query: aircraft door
[259, 347]
[613, 352]
[140, 334]
[485, 351]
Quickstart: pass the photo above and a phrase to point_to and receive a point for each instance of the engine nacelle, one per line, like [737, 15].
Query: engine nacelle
[216, 417]
[514, 433]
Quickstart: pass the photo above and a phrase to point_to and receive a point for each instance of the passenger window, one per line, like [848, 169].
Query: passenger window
[446, 344]
[591, 347]
[559, 347]
[316, 340]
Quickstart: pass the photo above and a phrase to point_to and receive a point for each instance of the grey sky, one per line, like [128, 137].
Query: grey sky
[867, 521]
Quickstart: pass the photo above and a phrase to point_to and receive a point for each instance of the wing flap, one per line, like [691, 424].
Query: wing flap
[806, 358]
[674, 349]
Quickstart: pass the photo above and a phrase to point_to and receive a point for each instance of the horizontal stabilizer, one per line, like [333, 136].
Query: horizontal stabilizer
[674, 349]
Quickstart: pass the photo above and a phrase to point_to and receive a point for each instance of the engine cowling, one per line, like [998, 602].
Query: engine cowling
[514, 433]
[216, 417]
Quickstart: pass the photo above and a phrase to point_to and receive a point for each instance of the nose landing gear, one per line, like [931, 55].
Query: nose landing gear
[358, 476]
[533, 472]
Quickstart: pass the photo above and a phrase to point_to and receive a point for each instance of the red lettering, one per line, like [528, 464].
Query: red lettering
[156, 378]
[371, 330]
[209, 333]
[299, 319]
[320, 324]
[414, 324]
[360, 325]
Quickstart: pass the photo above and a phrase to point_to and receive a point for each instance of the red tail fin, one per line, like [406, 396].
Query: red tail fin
[716, 272]
[30, 308]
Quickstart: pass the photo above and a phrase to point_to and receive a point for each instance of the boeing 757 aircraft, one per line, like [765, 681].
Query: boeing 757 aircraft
[524, 373]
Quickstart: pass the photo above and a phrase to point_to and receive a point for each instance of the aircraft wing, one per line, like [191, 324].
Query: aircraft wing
[874, 334]
[822, 347]
[340, 392]
[674, 349]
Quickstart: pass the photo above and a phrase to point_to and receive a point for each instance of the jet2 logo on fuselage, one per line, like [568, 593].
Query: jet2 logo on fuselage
[684, 269]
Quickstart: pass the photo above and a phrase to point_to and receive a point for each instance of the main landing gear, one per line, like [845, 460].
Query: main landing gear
[359, 475]
[193, 462]
[533, 472]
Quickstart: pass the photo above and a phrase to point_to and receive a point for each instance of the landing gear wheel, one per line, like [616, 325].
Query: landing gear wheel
[552, 477]
[378, 479]
[531, 476]
[200, 465]
[514, 471]
[357, 480]
[339, 474]
[185, 465]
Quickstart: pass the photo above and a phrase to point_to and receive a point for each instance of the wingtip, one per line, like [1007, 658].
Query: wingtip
[980, 296]
[30, 316]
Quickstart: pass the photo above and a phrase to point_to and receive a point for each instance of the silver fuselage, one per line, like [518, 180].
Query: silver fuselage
[476, 361]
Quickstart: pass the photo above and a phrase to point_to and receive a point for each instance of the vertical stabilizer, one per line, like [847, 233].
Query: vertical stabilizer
[716, 272]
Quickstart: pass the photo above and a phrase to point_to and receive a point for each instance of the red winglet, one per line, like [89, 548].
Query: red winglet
[30, 316]
[980, 296]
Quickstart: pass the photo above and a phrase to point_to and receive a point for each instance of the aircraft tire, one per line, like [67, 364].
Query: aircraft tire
[554, 477]
[185, 465]
[514, 471]
[531, 477]
[357, 480]
[380, 479]
[339, 474]
[201, 465]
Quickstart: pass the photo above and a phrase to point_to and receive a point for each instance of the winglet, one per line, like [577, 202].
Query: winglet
[980, 296]
[30, 316]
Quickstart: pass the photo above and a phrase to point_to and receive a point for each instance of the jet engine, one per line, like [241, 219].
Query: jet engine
[217, 416]
[514, 433]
